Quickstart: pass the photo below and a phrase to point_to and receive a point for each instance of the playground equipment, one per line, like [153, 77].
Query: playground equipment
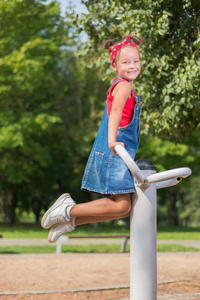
[143, 225]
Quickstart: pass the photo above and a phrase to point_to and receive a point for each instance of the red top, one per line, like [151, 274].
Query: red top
[127, 113]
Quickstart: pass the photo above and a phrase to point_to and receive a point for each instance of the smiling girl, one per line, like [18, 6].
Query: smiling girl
[105, 172]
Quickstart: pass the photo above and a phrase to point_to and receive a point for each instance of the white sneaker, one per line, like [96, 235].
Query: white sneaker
[57, 230]
[59, 212]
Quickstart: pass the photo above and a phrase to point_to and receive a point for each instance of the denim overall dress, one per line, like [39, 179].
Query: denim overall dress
[106, 173]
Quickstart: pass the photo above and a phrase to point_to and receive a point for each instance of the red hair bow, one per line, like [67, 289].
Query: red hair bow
[117, 47]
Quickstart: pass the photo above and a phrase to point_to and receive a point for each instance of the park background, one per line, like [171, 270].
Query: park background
[54, 76]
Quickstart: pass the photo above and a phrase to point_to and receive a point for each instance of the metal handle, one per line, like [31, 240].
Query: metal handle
[130, 163]
[168, 183]
[175, 174]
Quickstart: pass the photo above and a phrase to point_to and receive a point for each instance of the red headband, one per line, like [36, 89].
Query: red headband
[117, 47]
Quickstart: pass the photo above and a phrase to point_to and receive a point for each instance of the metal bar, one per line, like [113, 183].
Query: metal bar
[143, 227]
[161, 176]
[174, 173]
[130, 163]
[168, 183]
[143, 255]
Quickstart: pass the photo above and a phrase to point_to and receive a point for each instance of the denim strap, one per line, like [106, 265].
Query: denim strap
[137, 98]
[114, 83]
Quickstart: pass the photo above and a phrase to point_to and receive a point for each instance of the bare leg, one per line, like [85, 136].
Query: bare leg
[116, 207]
[94, 211]
[86, 220]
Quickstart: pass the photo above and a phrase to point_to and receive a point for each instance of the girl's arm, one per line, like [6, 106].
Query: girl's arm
[120, 93]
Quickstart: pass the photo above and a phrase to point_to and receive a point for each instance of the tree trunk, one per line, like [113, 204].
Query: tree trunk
[10, 203]
[36, 209]
[174, 211]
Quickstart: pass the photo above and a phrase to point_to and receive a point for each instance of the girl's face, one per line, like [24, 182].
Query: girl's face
[128, 65]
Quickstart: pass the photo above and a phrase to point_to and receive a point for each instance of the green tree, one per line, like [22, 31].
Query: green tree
[177, 204]
[49, 103]
[169, 79]
[169, 83]
[32, 35]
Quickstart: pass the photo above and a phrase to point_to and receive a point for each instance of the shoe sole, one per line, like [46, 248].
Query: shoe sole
[50, 236]
[58, 202]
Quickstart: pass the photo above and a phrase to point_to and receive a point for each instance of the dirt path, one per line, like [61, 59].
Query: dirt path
[92, 276]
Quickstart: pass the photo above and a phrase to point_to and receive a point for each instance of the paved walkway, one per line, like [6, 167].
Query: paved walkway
[41, 242]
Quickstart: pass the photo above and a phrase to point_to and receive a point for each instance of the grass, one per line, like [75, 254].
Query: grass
[178, 233]
[100, 248]
[35, 231]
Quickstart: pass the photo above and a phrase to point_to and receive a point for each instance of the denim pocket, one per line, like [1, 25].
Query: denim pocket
[98, 161]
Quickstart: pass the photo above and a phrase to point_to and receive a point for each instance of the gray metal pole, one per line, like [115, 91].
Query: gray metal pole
[143, 228]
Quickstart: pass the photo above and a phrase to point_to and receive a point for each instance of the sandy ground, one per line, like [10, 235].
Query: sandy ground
[93, 276]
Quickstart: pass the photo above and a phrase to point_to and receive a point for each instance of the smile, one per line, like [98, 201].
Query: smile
[132, 72]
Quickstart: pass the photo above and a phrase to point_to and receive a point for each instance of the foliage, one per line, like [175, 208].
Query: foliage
[167, 155]
[46, 109]
[53, 91]
[171, 67]
[190, 208]
[168, 83]
[31, 38]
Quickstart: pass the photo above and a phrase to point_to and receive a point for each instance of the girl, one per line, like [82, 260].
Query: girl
[105, 172]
